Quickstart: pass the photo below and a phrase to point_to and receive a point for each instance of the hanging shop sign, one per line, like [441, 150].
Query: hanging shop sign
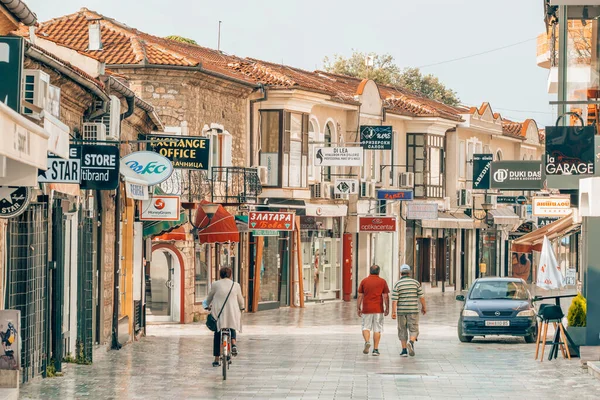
[136, 189]
[481, 170]
[517, 175]
[422, 211]
[11, 70]
[506, 200]
[147, 166]
[551, 206]
[377, 224]
[521, 200]
[570, 150]
[184, 152]
[402, 195]
[339, 156]
[376, 137]
[99, 167]
[543, 221]
[61, 170]
[274, 221]
[14, 200]
[261, 232]
[161, 208]
[345, 186]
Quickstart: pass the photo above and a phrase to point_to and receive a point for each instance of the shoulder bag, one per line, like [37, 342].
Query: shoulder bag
[211, 322]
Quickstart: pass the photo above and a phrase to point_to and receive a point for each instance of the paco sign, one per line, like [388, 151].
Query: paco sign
[551, 206]
[273, 221]
[377, 224]
[148, 166]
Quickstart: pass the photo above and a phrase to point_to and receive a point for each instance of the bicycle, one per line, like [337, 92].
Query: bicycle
[225, 357]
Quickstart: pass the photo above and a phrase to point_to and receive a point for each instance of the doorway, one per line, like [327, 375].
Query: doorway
[162, 287]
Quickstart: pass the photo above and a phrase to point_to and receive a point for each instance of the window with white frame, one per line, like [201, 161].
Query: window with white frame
[473, 147]
[499, 155]
[312, 137]
[328, 139]
[221, 143]
[462, 160]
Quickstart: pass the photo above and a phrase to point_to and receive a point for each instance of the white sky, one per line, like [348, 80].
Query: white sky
[416, 32]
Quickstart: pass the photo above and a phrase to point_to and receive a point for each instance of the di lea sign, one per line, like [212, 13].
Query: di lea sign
[147, 166]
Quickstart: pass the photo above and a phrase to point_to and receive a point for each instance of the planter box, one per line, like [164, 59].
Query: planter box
[577, 334]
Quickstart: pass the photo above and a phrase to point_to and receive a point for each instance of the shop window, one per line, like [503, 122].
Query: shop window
[462, 160]
[312, 137]
[426, 159]
[284, 148]
[201, 273]
[499, 155]
[220, 149]
[328, 141]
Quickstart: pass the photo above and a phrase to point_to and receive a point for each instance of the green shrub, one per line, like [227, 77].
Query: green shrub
[577, 312]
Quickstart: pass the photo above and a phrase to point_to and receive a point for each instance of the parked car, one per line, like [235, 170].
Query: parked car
[497, 306]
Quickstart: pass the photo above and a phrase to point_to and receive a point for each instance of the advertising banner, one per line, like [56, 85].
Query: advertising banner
[274, 221]
[339, 156]
[345, 186]
[377, 224]
[99, 167]
[422, 211]
[549, 276]
[403, 195]
[10, 329]
[570, 150]
[184, 152]
[551, 206]
[376, 137]
[481, 170]
[506, 200]
[147, 166]
[61, 170]
[11, 70]
[160, 208]
[14, 200]
[517, 175]
[543, 221]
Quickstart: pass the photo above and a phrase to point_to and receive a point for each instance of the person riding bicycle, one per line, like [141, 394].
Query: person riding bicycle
[231, 316]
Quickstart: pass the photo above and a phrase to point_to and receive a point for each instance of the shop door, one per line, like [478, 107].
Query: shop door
[423, 259]
[160, 282]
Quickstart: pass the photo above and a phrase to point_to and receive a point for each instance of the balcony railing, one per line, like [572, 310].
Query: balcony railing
[235, 185]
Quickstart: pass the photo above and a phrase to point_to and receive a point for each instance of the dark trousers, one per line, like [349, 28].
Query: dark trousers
[217, 342]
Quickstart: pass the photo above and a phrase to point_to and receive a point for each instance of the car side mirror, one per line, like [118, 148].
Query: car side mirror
[537, 298]
[460, 297]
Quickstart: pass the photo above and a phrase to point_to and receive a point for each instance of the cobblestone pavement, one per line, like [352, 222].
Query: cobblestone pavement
[316, 353]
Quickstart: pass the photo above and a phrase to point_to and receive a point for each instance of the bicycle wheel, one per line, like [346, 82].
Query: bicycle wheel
[224, 353]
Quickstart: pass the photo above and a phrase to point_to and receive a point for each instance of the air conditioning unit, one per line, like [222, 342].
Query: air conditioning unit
[263, 174]
[406, 180]
[53, 101]
[112, 119]
[344, 196]
[464, 197]
[94, 131]
[492, 199]
[447, 204]
[367, 189]
[35, 91]
[320, 190]
[522, 212]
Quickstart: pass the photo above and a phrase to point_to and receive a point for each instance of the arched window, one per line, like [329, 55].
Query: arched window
[499, 155]
[312, 137]
[328, 140]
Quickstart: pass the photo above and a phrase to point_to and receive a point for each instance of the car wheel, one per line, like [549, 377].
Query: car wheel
[461, 337]
[530, 338]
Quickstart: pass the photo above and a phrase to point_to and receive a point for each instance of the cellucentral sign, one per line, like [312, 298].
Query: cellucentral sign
[184, 152]
[517, 175]
[376, 137]
[377, 224]
[403, 195]
[273, 221]
[481, 170]
[147, 166]
[339, 156]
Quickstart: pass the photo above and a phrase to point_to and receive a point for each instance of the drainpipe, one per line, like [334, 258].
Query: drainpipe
[264, 97]
[20, 10]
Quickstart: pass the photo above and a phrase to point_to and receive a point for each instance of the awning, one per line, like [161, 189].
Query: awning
[534, 240]
[158, 228]
[326, 210]
[221, 229]
[504, 216]
[279, 203]
[242, 223]
[449, 221]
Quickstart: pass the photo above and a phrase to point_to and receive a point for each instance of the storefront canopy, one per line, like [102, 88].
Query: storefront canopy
[160, 228]
[449, 221]
[504, 216]
[534, 240]
[221, 228]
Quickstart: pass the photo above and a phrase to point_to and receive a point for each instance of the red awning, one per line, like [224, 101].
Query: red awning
[175, 234]
[222, 227]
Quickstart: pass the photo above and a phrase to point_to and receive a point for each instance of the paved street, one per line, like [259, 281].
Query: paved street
[316, 353]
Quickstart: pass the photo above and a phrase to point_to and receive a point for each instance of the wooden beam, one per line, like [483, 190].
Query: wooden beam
[260, 243]
[299, 262]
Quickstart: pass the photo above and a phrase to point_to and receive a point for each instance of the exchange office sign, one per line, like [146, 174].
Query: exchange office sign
[481, 170]
[517, 175]
[570, 150]
[274, 221]
[377, 224]
[376, 137]
[551, 206]
[13, 200]
[61, 170]
[99, 167]
[184, 152]
[339, 156]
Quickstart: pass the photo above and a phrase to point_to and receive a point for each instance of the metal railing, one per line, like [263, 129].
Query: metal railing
[235, 185]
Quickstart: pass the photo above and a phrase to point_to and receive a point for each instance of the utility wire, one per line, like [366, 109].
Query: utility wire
[525, 111]
[478, 54]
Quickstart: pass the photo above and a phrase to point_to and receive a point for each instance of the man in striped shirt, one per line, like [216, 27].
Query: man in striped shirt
[406, 296]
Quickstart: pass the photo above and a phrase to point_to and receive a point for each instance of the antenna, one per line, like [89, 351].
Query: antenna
[219, 39]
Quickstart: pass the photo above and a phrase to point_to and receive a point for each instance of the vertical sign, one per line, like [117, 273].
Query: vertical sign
[481, 170]
[11, 70]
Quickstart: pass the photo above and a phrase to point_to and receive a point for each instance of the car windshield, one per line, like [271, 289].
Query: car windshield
[499, 290]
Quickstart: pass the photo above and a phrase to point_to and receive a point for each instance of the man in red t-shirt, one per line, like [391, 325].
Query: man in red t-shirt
[373, 303]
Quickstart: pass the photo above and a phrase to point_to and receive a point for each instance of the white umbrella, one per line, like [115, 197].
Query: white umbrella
[549, 276]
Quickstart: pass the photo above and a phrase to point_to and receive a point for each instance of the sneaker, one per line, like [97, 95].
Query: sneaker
[234, 350]
[367, 347]
[411, 348]
[376, 352]
[215, 364]
[404, 353]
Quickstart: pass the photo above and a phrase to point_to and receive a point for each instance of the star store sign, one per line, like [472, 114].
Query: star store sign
[273, 221]
[377, 224]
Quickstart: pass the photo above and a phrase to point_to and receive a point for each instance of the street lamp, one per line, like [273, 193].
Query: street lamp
[210, 210]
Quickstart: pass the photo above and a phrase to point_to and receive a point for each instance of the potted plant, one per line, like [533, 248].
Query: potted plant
[577, 320]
